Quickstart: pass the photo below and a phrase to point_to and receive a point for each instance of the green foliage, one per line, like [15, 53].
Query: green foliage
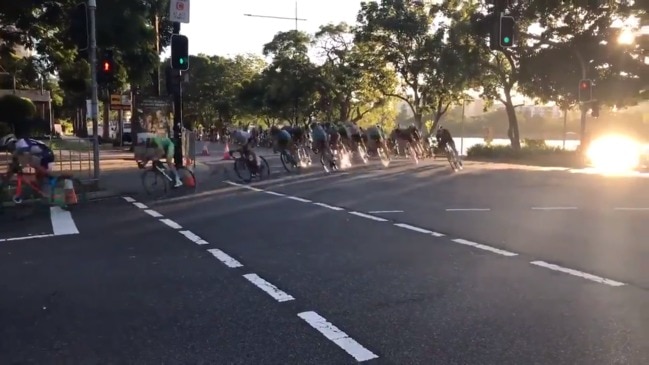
[537, 152]
[15, 110]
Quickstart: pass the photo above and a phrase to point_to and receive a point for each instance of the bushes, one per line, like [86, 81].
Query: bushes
[531, 152]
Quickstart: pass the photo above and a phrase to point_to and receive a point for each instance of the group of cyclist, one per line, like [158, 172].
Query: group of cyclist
[324, 137]
[329, 137]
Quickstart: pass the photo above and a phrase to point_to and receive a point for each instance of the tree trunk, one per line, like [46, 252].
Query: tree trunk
[513, 132]
[418, 120]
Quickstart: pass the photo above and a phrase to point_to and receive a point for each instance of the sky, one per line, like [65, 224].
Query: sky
[219, 27]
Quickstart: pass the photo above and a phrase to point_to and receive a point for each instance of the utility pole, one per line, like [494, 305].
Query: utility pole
[296, 19]
[94, 103]
[178, 111]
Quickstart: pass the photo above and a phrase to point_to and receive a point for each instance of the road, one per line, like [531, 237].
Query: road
[496, 264]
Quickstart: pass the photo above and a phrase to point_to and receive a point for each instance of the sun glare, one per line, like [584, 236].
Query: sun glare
[626, 37]
[614, 154]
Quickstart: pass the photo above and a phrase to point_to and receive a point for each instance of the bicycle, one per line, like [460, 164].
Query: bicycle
[243, 163]
[453, 159]
[160, 178]
[25, 190]
[289, 162]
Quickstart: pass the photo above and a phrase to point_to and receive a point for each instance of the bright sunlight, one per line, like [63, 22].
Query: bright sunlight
[614, 153]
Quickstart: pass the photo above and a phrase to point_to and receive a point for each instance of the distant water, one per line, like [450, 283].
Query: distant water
[571, 144]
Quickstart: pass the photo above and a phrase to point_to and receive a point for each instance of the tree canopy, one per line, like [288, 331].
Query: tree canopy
[430, 56]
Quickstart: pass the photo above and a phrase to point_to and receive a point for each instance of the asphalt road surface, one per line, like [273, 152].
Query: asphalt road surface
[410, 264]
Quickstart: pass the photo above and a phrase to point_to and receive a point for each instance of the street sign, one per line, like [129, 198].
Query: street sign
[120, 102]
[179, 11]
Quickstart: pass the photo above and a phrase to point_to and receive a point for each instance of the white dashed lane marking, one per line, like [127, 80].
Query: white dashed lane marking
[225, 258]
[128, 199]
[171, 223]
[193, 237]
[484, 247]
[577, 273]
[269, 288]
[298, 199]
[329, 206]
[417, 229]
[153, 213]
[367, 216]
[140, 205]
[554, 208]
[468, 209]
[335, 335]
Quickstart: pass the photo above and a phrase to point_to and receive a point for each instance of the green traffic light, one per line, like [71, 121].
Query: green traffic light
[182, 61]
[506, 40]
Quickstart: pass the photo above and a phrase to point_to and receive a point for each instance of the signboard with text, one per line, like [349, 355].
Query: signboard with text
[179, 11]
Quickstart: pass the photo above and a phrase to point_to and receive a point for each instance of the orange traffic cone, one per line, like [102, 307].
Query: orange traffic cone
[70, 194]
[189, 181]
[226, 152]
[205, 152]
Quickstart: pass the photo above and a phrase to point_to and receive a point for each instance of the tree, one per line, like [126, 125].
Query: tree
[398, 30]
[291, 79]
[15, 110]
[352, 79]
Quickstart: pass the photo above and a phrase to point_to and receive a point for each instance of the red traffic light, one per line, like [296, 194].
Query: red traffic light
[106, 66]
[584, 85]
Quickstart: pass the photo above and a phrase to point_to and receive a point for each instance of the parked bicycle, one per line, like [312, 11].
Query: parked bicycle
[158, 180]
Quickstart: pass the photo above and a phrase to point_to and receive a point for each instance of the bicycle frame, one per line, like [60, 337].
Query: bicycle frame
[20, 180]
[162, 169]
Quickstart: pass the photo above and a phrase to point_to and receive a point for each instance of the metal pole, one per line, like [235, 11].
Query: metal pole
[178, 114]
[94, 103]
[565, 126]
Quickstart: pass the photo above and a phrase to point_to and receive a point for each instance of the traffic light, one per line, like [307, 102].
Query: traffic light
[179, 52]
[78, 29]
[585, 90]
[106, 68]
[506, 31]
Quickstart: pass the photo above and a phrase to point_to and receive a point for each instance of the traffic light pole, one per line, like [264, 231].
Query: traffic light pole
[94, 102]
[178, 113]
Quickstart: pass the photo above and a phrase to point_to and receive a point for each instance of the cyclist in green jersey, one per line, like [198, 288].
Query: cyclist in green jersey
[165, 148]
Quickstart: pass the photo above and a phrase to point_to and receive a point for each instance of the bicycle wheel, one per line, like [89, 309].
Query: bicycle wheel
[450, 156]
[327, 161]
[155, 184]
[383, 155]
[66, 191]
[188, 178]
[287, 161]
[264, 169]
[241, 169]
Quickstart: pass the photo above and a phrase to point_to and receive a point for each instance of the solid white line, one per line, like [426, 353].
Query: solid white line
[269, 288]
[328, 206]
[128, 199]
[631, 209]
[385, 211]
[554, 208]
[580, 274]
[225, 258]
[193, 237]
[340, 338]
[234, 184]
[153, 213]
[468, 209]
[273, 193]
[140, 205]
[26, 237]
[359, 214]
[254, 188]
[62, 222]
[419, 230]
[485, 247]
[298, 199]
[171, 223]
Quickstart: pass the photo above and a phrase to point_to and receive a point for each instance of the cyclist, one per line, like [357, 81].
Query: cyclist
[443, 137]
[245, 140]
[376, 138]
[283, 141]
[165, 148]
[28, 152]
[319, 137]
